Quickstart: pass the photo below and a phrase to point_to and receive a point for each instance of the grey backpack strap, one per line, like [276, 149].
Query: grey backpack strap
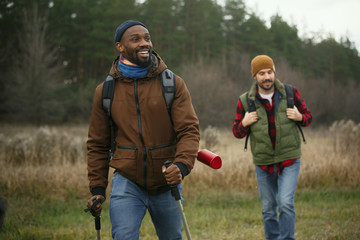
[108, 94]
[167, 78]
[107, 98]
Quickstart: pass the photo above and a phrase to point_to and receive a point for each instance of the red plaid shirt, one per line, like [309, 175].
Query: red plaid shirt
[239, 131]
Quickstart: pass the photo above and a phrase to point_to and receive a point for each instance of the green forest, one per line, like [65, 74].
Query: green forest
[54, 53]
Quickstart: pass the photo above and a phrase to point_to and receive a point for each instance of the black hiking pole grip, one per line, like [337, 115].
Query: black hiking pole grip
[97, 223]
[174, 189]
[97, 226]
[96, 218]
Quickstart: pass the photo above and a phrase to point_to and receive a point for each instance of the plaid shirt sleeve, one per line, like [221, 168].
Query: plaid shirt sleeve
[301, 106]
[238, 130]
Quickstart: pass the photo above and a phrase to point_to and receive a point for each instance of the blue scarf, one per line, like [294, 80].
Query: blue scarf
[131, 70]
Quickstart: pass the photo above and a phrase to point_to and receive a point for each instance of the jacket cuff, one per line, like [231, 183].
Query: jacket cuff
[98, 191]
[183, 169]
[244, 129]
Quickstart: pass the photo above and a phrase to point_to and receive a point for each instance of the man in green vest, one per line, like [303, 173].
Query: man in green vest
[275, 144]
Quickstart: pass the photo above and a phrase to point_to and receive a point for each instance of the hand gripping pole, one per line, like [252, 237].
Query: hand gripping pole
[97, 218]
[176, 194]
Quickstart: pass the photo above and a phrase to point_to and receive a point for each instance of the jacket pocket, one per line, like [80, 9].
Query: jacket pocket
[160, 154]
[124, 160]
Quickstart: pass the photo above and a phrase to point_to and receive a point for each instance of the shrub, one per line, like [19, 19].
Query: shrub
[19, 149]
[44, 146]
[211, 138]
[345, 136]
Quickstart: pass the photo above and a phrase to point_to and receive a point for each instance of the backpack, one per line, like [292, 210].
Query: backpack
[167, 79]
[290, 104]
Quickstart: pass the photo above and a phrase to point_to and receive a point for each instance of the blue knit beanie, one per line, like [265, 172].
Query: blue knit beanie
[125, 25]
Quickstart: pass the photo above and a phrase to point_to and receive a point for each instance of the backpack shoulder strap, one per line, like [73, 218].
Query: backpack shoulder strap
[107, 98]
[251, 108]
[290, 104]
[289, 95]
[108, 94]
[168, 85]
[251, 104]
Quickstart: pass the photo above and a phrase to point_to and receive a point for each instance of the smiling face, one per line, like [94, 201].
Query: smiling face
[265, 79]
[135, 45]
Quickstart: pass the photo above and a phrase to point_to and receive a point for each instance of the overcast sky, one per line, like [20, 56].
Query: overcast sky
[339, 18]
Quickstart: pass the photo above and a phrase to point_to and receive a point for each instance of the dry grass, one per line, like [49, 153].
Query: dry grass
[52, 160]
[346, 138]
[46, 196]
[44, 160]
[42, 146]
[323, 165]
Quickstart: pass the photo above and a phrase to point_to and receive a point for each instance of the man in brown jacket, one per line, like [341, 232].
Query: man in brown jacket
[146, 135]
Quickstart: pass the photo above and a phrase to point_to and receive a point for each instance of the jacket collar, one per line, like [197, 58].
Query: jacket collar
[278, 87]
[157, 66]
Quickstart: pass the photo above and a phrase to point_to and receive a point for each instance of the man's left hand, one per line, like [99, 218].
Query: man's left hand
[172, 174]
[294, 114]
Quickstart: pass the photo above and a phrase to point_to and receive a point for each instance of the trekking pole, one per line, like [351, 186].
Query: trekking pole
[97, 218]
[176, 194]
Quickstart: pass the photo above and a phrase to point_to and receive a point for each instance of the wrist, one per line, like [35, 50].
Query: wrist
[98, 191]
[183, 169]
[300, 119]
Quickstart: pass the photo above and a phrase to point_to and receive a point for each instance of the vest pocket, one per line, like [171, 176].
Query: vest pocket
[158, 155]
[291, 140]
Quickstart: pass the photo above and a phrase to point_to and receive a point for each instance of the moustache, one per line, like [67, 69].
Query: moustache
[142, 49]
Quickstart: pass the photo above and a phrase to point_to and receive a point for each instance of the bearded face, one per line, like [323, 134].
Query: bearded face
[136, 45]
[265, 79]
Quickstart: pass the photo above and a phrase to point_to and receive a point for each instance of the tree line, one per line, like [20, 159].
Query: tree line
[54, 52]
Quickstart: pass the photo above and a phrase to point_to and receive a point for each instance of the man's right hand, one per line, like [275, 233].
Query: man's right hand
[172, 174]
[98, 207]
[249, 119]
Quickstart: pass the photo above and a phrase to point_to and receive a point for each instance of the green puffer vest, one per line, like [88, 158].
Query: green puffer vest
[288, 143]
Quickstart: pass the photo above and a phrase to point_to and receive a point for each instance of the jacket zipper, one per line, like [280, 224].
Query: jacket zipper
[140, 129]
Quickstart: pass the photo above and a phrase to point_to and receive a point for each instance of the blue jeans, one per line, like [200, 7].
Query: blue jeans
[128, 204]
[278, 191]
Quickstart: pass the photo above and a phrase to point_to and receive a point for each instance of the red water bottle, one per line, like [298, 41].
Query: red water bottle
[209, 158]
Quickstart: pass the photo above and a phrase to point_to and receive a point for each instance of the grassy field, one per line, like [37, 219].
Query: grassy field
[321, 214]
[44, 182]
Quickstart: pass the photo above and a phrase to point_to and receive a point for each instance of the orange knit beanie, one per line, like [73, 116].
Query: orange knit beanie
[261, 62]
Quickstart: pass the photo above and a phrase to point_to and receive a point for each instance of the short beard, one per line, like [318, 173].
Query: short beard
[143, 64]
[266, 89]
